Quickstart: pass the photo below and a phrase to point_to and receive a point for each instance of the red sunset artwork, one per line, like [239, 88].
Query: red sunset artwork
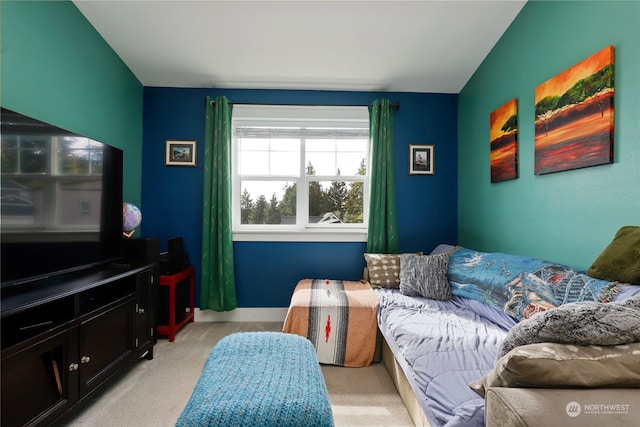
[503, 134]
[574, 116]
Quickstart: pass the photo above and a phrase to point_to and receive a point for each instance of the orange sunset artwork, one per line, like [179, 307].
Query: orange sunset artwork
[503, 134]
[574, 116]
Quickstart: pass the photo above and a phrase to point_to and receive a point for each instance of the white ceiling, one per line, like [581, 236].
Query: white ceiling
[403, 46]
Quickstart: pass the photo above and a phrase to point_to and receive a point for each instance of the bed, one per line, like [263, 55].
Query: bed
[438, 350]
[443, 346]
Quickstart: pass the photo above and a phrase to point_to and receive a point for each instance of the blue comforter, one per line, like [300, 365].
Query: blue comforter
[442, 346]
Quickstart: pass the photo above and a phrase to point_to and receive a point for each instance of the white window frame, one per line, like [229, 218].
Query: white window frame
[309, 116]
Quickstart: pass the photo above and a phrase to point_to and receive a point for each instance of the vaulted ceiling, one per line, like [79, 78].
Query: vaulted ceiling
[404, 46]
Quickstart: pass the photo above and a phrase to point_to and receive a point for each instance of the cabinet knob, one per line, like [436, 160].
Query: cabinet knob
[85, 359]
[73, 367]
[141, 311]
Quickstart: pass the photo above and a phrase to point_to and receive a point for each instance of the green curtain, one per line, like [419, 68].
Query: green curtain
[218, 287]
[382, 233]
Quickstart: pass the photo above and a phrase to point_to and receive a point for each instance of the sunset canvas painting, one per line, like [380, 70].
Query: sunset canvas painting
[574, 116]
[503, 131]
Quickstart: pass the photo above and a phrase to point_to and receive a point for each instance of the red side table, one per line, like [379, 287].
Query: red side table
[171, 281]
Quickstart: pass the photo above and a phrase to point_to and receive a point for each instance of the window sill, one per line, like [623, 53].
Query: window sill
[300, 236]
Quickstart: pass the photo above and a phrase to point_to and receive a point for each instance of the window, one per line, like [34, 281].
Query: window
[300, 173]
[68, 166]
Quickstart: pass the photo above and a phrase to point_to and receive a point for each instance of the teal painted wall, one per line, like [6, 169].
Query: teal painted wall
[569, 216]
[58, 69]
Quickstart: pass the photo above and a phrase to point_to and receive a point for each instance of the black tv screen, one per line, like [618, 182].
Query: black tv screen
[61, 200]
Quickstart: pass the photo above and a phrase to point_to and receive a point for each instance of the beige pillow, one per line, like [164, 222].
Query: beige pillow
[552, 365]
[384, 270]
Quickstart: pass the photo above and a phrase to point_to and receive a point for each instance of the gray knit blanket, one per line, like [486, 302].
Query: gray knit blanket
[584, 323]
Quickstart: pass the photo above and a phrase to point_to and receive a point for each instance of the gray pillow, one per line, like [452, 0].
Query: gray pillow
[425, 276]
[584, 323]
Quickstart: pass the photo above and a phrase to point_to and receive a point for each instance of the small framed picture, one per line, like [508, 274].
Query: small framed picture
[180, 153]
[420, 159]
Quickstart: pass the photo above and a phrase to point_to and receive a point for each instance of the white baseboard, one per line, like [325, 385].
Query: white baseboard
[242, 315]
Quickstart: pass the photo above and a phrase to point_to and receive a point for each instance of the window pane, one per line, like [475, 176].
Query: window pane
[352, 156]
[268, 202]
[97, 157]
[33, 156]
[285, 157]
[79, 156]
[328, 156]
[335, 202]
[285, 163]
[23, 203]
[79, 203]
[73, 162]
[320, 157]
[254, 163]
[352, 163]
[321, 163]
[9, 155]
[288, 144]
[326, 145]
[253, 144]
[269, 157]
[359, 145]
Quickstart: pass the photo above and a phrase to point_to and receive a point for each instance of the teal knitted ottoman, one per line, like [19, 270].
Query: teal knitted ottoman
[260, 379]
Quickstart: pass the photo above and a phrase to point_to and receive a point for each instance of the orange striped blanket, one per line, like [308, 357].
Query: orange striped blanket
[339, 317]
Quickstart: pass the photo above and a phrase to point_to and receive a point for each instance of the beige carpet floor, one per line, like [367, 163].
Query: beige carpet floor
[154, 392]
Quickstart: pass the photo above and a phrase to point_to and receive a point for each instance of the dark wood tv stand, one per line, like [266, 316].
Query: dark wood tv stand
[64, 337]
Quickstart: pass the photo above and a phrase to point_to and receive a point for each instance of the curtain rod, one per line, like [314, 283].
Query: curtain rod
[394, 105]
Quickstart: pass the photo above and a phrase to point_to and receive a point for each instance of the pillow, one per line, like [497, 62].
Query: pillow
[383, 270]
[564, 365]
[584, 322]
[444, 248]
[425, 276]
[620, 260]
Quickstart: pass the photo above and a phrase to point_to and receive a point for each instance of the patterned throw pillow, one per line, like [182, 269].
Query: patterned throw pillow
[425, 276]
[384, 270]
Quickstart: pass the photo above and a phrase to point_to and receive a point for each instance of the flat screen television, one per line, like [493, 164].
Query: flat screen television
[61, 201]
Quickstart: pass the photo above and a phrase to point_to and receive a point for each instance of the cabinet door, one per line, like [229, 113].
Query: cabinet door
[39, 381]
[145, 313]
[106, 343]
